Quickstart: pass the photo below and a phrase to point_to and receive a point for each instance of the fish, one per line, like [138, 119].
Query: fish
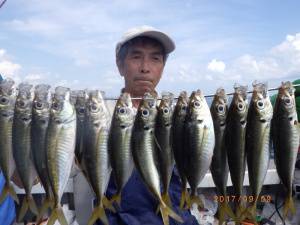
[120, 148]
[235, 135]
[163, 129]
[80, 106]
[285, 136]
[8, 96]
[258, 142]
[60, 148]
[199, 142]
[178, 120]
[96, 152]
[145, 153]
[219, 166]
[22, 150]
[40, 120]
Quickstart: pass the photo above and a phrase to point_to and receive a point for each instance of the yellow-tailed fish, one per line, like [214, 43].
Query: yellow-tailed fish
[179, 115]
[235, 134]
[199, 142]
[257, 142]
[60, 147]
[40, 120]
[96, 155]
[22, 146]
[163, 129]
[120, 143]
[219, 166]
[7, 105]
[285, 135]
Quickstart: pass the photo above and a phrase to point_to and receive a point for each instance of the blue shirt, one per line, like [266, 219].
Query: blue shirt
[7, 208]
[138, 205]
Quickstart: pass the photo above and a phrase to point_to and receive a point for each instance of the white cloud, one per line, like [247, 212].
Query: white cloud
[216, 66]
[8, 68]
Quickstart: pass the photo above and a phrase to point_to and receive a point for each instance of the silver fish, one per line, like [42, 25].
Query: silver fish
[257, 141]
[22, 145]
[163, 128]
[7, 104]
[285, 134]
[235, 134]
[40, 120]
[199, 142]
[179, 115]
[120, 143]
[60, 145]
[219, 166]
[96, 155]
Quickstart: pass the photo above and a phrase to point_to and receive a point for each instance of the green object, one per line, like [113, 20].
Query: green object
[297, 91]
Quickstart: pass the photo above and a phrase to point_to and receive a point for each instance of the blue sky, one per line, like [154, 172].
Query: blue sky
[218, 43]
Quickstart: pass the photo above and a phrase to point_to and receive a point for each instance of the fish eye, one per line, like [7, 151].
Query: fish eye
[145, 112]
[94, 107]
[240, 106]
[55, 106]
[122, 110]
[166, 110]
[287, 101]
[38, 105]
[260, 104]
[4, 100]
[81, 110]
[221, 108]
[21, 103]
[197, 104]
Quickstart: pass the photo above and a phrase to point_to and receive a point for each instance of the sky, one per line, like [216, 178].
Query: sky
[218, 43]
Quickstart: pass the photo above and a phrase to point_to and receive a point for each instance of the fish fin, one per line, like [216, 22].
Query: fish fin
[23, 209]
[167, 212]
[166, 198]
[184, 198]
[57, 214]
[157, 143]
[98, 213]
[32, 205]
[48, 203]
[249, 212]
[117, 199]
[224, 209]
[288, 206]
[8, 189]
[108, 204]
[194, 199]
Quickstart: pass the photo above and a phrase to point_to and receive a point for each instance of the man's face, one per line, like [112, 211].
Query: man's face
[142, 68]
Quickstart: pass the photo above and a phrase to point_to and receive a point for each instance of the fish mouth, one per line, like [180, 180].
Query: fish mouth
[26, 119]
[6, 114]
[290, 118]
[222, 124]
[199, 121]
[123, 126]
[263, 120]
[146, 128]
[243, 122]
[167, 125]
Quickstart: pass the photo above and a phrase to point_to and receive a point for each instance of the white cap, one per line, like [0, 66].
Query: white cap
[147, 31]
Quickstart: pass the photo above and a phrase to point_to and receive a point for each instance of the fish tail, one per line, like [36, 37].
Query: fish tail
[27, 203]
[8, 189]
[240, 212]
[184, 197]
[288, 206]
[224, 209]
[98, 213]
[108, 204]
[48, 203]
[249, 213]
[194, 199]
[57, 214]
[117, 199]
[166, 198]
[166, 211]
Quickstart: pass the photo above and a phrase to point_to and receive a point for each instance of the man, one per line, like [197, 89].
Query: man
[7, 208]
[141, 56]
